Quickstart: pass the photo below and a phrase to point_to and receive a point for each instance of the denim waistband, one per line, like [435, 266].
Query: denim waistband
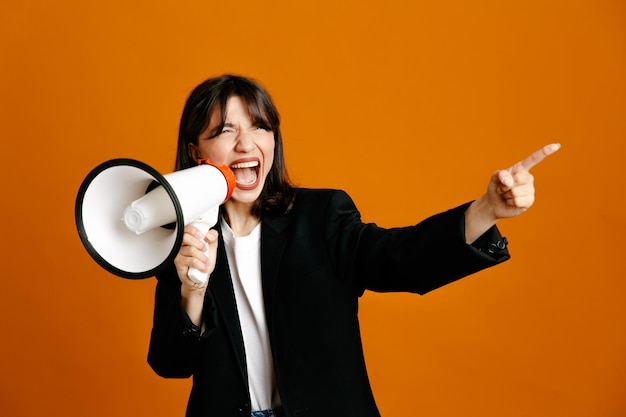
[272, 412]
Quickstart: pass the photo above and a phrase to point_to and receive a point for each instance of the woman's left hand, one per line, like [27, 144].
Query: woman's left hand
[511, 191]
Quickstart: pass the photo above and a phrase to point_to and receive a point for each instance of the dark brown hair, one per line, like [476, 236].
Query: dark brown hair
[211, 96]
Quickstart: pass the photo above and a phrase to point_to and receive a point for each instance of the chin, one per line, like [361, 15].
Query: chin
[245, 196]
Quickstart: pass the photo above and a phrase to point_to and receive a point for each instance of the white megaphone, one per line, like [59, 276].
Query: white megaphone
[130, 218]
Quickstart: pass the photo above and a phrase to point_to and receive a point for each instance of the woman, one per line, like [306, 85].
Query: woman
[275, 331]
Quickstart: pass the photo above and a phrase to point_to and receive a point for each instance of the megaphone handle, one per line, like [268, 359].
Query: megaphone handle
[195, 274]
[203, 224]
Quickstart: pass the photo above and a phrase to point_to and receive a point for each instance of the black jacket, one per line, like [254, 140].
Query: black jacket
[315, 263]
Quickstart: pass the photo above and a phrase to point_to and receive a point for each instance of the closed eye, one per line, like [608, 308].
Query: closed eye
[215, 132]
[262, 126]
[227, 128]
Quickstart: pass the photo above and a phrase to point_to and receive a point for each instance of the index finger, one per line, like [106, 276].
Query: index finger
[536, 157]
[194, 231]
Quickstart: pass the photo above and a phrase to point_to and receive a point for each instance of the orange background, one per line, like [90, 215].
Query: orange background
[409, 106]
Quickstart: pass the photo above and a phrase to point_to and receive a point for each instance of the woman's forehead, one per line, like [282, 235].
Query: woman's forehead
[252, 109]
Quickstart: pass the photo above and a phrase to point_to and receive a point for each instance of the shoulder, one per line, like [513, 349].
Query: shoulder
[315, 207]
[320, 194]
[321, 198]
[323, 206]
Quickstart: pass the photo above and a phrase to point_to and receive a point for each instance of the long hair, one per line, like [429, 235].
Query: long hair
[211, 96]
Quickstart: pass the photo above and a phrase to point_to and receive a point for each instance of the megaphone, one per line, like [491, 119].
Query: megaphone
[130, 218]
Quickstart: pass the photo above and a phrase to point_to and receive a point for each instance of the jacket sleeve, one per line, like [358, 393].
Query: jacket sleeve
[416, 259]
[175, 342]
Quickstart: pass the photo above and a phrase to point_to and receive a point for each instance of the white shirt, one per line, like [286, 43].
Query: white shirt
[244, 260]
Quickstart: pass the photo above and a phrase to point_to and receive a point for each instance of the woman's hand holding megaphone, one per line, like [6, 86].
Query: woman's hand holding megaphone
[192, 255]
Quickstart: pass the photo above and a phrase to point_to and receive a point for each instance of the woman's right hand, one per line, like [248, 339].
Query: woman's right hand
[191, 255]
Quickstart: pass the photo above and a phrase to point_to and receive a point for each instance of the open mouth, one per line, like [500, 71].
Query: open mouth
[246, 173]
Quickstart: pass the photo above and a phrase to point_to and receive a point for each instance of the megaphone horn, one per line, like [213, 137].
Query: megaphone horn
[121, 214]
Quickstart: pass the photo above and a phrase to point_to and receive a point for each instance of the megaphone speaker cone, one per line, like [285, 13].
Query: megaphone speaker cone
[107, 191]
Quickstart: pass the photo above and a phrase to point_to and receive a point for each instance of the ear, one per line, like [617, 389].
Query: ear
[193, 151]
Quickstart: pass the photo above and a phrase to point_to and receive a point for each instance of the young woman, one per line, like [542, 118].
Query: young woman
[275, 331]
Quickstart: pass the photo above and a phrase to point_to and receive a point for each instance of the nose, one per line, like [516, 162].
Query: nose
[245, 142]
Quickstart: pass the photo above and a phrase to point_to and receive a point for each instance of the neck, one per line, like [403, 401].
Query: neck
[240, 218]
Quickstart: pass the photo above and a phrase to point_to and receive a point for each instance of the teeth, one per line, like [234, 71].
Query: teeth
[250, 164]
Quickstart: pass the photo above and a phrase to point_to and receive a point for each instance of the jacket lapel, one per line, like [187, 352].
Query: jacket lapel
[273, 240]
